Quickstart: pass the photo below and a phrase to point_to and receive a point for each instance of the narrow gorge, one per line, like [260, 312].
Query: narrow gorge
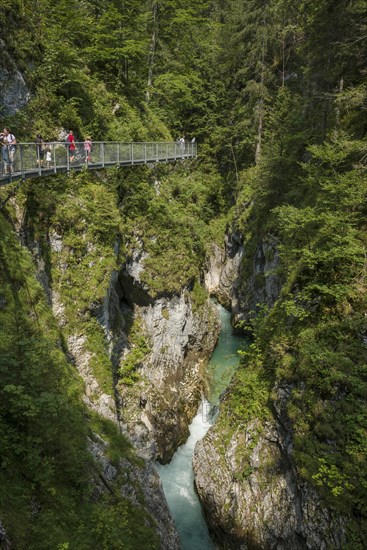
[127, 291]
[178, 476]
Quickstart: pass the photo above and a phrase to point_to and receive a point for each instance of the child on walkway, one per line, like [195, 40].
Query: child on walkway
[48, 157]
[88, 149]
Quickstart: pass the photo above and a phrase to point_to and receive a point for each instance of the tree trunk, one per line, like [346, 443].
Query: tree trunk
[337, 110]
[283, 60]
[260, 104]
[259, 132]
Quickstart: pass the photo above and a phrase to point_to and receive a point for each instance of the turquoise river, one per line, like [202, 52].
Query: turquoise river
[177, 476]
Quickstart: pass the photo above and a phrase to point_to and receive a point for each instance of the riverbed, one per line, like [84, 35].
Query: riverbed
[178, 476]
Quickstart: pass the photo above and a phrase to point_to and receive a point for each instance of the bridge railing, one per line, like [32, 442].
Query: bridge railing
[33, 160]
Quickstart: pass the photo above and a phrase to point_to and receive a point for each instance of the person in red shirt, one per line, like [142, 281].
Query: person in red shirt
[72, 146]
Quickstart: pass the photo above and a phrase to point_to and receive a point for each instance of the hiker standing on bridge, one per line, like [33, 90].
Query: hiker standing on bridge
[8, 142]
[40, 149]
[88, 149]
[48, 156]
[182, 143]
[72, 148]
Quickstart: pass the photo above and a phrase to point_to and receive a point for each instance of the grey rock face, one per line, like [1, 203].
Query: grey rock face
[156, 411]
[253, 498]
[261, 286]
[221, 277]
[247, 481]
[4, 541]
[142, 478]
[14, 93]
[181, 343]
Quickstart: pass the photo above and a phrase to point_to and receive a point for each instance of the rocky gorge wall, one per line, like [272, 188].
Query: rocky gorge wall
[157, 409]
[14, 93]
[177, 336]
[258, 281]
[245, 473]
[135, 475]
[240, 283]
[252, 495]
[223, 269]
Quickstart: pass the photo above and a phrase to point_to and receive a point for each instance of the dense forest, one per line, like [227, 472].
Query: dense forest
[275, 93]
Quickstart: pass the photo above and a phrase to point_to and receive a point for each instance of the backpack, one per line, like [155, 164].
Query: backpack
[13, 146]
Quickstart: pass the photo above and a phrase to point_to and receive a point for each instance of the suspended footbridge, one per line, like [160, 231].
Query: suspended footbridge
[32, 160]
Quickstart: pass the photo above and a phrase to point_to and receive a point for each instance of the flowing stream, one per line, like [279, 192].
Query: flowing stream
[178, 476]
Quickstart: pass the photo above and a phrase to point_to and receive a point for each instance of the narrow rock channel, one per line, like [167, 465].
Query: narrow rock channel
[178, 476]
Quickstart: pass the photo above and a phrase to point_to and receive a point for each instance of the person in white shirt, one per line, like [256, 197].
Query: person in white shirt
[9, 147]
[182, 143]
[48, 157]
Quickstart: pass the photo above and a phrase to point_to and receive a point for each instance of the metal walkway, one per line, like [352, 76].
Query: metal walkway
[32, 162]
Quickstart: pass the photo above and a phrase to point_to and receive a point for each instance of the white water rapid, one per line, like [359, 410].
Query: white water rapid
[178, 485]
[177, 476]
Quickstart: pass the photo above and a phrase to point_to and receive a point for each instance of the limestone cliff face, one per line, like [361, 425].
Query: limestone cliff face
[239, 284]
[247, 479]
[223, 269]
[14, 93]
[258, 281]
[142, 485]
[253, 497]
[156, 411]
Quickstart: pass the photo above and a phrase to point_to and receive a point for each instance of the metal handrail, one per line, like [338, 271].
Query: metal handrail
[30, 160]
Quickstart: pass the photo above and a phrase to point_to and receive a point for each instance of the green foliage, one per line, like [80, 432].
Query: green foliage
[247, 398]
[89, 67]
[139, 348]
[46, 471]
[330, 476]
[171, 215]
[165, 313]
[312, 337]
[199, 296]
[118, 445]
[277, 89]
[83, 218]
[121, 527]
[323, 240]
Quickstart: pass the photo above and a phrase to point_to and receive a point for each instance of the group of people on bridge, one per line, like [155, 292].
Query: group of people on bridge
[182, 140]
[43, 150]
[41, 157]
